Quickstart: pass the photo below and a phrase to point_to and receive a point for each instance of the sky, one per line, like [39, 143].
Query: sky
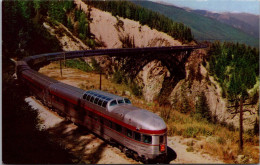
[246, 6]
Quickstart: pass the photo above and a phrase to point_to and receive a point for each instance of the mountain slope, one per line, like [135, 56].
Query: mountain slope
[203, 28]
[248, 23]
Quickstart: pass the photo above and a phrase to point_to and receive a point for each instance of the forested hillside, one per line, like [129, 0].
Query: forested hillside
[203, 28]
[236, 66]
[23, 32]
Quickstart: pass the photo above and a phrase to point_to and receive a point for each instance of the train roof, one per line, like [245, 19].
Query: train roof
[67, 91]
[144, 119]
[39, 78]
[140, 118]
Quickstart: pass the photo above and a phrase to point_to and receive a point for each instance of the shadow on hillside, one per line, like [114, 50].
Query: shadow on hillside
[22, 142]
[84, 146]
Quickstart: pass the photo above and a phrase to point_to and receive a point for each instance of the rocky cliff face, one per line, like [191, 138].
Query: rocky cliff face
[151, 79]
[198, 80]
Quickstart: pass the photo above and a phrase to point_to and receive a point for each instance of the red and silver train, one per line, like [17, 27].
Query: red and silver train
[137, 132]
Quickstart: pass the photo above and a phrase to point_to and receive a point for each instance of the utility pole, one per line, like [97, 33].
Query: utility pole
[100, 79]
[60, 68]
[64, 58]
[241, 126]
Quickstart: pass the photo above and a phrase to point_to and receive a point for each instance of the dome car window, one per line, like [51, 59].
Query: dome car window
[113, 103]
[84, 96]
[104, 104]
[100, 102]
[127, 101]
[92, 99]
[96, 100]
[88, 97]
[120, 101]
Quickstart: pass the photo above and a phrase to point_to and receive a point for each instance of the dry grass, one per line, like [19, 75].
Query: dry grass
[216, 139]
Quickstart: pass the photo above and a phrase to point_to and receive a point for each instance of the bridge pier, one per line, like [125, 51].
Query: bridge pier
[174, 62]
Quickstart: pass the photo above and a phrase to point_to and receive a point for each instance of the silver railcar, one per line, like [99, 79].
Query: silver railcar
[138, 132]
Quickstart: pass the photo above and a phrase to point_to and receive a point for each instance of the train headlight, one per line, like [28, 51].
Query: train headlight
[162, 147]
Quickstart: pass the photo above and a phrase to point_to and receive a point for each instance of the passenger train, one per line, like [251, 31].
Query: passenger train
[137, 132]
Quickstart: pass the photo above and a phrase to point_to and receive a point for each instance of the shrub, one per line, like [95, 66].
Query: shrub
[190, 149]
[172, 130]
[69, 24]
[190, 132]
[165, 113]
[136, 90]
[95, 64]
[78, 64]
[221, 140]
[91, 43]
[118, 77]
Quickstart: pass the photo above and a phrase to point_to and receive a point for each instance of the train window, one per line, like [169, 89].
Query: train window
[100, 102]
[58, 99]
[96, 100]
[147, 139]
[104, 104]
[90, 114]
[110, 124]
[137, 136]
[88, 97]
[127, 101]
[118, 128]
[92, 99]
[113, 103]
[84, 96]
[95, 117]
[120, 101]
[129, 133]
[101, 120]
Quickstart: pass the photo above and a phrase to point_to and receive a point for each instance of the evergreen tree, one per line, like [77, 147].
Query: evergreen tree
[202, 107]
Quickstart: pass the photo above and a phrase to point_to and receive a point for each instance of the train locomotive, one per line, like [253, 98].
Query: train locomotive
[137, 132]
